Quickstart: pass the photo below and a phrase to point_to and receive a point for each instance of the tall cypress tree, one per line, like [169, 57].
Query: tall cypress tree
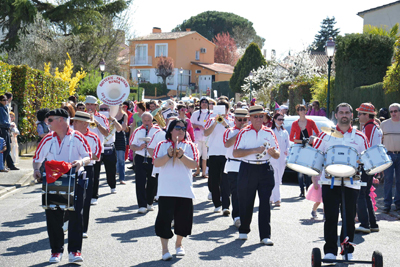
[327, 30]
[252, 59]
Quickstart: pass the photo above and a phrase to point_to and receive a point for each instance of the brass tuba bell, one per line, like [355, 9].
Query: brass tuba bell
[159, 118]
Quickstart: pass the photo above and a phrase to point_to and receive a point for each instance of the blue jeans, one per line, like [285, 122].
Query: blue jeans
[304, 180]
[388, 184]
[121, 164]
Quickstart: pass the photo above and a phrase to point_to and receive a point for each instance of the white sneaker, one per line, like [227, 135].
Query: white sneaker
[142, 210]
[180, 251]
[226, 212]
[65, 226]
[85, 235]
[93, 201]
[167, 256]
[75, 257]
[242, 236]
[113, 190]
[218, 209]
[267, 242]
[330, 256]
[55, 257]
[209, 196]
[150, 207]
[349, 256]
[236, 222]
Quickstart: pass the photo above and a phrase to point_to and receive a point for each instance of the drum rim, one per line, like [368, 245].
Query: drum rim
[307, 147]
[351, 148]
[369, 171]
[373, 147]
[355, 170]
[313, 169]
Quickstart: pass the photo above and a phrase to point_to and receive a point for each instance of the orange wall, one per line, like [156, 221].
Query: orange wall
[223, 77]
[218, 76]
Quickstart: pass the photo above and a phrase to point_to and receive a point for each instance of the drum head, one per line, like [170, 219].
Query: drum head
[302, 169]
[379, 168]
[340, 170]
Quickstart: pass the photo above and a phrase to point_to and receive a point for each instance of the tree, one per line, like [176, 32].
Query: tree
[391, 82]
[251, 60]
[69, 16]
[327, 30]
[165, 68]
[210, 23]
[244, 37]
[225, 49]
[382, 30]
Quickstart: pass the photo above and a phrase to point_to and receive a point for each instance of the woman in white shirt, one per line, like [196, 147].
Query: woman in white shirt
[175, 189]
[279, 164]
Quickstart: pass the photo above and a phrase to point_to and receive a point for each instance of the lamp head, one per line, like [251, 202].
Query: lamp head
[330, 47]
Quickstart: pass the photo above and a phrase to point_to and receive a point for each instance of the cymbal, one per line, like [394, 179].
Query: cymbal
[332, 132]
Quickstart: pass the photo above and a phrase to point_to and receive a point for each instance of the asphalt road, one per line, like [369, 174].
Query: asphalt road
[118, 236]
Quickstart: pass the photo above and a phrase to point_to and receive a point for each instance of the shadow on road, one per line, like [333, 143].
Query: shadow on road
[31, 218]
[233, 249]
[160, 262]
[215, 236]
[28, 248]
[128, 216]
[134, 235]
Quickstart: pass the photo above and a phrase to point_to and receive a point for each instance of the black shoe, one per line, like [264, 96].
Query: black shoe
[14, 169]
[301, 194]
[131, 167]
[386, 209]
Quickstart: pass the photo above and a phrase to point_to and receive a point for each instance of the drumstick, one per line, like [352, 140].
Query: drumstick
[174, 156]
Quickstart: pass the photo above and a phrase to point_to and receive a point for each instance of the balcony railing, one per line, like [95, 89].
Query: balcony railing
[141, 61]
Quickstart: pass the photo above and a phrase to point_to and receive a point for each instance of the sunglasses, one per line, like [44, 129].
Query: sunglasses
[177, 127]
[183, 109]
[203, 102]
[103, 109]
[51, 120]
[301, 109]
[258, 116]
[280, 119]
[81, 108]
[394, 111]
[362, 114]
[240, 120]
[3, 100]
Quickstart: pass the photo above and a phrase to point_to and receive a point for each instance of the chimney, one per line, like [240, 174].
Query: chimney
[156, 30]
[273, 54]
[188, 29]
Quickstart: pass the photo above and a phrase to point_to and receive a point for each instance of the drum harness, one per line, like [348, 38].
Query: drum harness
[53, 149]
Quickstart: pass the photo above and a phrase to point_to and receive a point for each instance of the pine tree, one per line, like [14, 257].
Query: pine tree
[251, 60]
[327, 30]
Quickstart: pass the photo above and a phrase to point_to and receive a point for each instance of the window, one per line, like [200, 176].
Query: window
[198, 71]
[141, 54]
[145, 76]
[161, 50]
[197, 55]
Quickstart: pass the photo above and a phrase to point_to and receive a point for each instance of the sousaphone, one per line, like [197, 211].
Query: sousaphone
[113, 90]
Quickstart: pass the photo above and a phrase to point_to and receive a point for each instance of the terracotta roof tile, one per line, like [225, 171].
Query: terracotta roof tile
[163, 36]
[217, 67]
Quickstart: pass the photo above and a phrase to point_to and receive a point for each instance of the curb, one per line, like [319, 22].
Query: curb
[27, 179]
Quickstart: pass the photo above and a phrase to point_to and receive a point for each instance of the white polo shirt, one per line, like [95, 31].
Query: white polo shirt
[94, 143]
[373, 132]
[140, 132]
[101, 119]
[175, 180]
[359, 141]
[248, 138]
[52, 148]
[158, 137]
[232, 164]
[199, 119]
[216, 138]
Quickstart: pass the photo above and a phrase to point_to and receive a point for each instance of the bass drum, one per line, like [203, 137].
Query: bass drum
[307, 160]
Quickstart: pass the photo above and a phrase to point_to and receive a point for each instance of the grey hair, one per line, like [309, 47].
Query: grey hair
[147, 114]
[395, 105]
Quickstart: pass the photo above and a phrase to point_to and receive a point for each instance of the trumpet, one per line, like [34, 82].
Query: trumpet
[220, 119]
[92, 124]
[262, 154]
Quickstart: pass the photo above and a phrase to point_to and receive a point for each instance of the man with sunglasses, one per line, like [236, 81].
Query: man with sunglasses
[391, 140]
[102, 129]
[232, 165]
[255, 173]
[218, 180]
[365, 209]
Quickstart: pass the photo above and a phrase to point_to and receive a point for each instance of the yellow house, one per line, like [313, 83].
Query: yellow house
[189, 51]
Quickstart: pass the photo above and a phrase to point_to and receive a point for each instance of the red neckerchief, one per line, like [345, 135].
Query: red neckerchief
[349, 130]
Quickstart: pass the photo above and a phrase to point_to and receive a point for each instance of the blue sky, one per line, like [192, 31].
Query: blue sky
[286, 25]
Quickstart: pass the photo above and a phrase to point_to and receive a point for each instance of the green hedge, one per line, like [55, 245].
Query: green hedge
[360, 60]
[223, 89]
[280, 94]
[33, 90]
[5, 77]
[150, 89]
[373, 93]
[297, 92]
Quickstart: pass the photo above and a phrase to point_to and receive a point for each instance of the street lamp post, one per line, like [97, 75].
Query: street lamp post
[138, 90]
[251, 87]
[330, 51]
[102, 66]
[180, 92]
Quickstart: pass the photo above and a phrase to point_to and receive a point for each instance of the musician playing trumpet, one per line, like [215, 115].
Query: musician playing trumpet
[145, 184]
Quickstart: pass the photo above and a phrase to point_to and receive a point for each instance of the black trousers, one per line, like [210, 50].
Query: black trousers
[88, 196]
[110, 164]
[218, 181]
[233, 182]
[254, 178]
[5, 134]
[178, 209]
[332, 199]
[365, 208]
[146, 185]
[54, 220]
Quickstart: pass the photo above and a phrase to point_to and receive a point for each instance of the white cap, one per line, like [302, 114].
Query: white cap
[91, 100]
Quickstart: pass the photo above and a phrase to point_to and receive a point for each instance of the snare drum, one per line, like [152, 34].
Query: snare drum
[307, 160]
[375, 159]
[341, 161]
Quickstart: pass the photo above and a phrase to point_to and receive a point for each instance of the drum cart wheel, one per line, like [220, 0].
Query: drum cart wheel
[377, 259]
[316, 257]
